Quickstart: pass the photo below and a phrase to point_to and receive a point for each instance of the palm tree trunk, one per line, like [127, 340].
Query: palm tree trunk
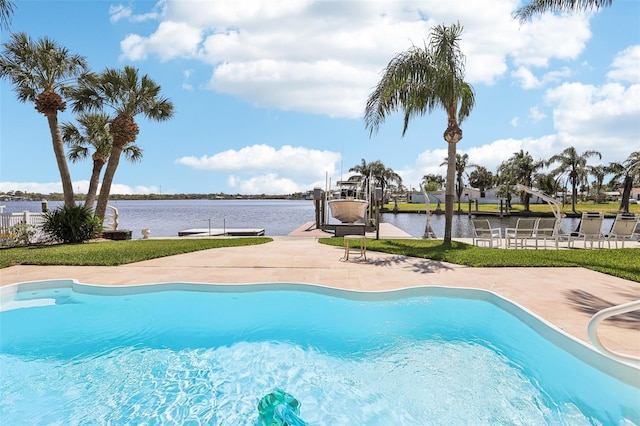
[449, 198]
[574, 194]
[107, 180]
[93, 184]
[61, 159]
[626, 193]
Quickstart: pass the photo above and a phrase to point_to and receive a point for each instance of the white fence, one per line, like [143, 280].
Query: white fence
[9, 220]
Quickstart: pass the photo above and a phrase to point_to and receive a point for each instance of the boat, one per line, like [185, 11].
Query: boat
[351, 204]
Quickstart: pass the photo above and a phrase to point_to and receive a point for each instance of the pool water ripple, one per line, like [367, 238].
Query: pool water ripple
[177, 357]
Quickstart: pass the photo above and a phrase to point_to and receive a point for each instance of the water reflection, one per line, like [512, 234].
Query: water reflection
[166, 218]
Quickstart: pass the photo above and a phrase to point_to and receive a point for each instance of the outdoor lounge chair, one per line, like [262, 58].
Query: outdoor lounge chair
[589, 230]
[483, 232]
[548, 228]
[623, 228]
[525, 230]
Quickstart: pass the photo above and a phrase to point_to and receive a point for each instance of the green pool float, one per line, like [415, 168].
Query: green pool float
[279, 408]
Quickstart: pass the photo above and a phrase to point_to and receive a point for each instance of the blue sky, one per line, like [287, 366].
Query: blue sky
[269, 94]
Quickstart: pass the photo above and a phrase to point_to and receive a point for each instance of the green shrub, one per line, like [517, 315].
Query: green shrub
[21, 234]
[71, 224]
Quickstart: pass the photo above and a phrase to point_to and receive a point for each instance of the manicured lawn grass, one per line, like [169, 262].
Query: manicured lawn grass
[623, 263]
[112, 253]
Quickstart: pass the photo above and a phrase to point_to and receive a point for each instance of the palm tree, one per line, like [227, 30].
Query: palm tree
[481, 178]
[598, 172]
[93, 133]
[421, 80]
[6, 10]
[535, 7]
[573, 163]
[630, 170]
[432, 182]
[522, 168]
[384, 176]
[461, 166]
[363, 172]
[546, 183]
[42, 72]
[376, 173]
[128, 95]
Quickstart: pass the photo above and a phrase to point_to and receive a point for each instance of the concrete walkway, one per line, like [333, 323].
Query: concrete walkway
[566, 297]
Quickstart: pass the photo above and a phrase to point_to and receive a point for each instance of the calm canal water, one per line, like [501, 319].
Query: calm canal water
[166, 218]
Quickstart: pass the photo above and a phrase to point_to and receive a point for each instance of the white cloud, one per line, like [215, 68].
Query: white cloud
[324, 57]
[287, 161]
[598, 116]
[270, 183]
[120, 12]
[527, 80]
[536, 115]
[626, 66]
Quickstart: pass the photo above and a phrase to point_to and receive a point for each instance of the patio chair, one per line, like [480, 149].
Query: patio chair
[525, 230]
[548, 228]
[589, 230]
[623, 228]
[483, 232]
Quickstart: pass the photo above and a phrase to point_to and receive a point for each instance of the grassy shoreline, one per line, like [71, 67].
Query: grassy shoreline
[609, 209]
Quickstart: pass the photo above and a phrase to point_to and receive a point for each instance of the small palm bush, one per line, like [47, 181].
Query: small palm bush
[71, 224]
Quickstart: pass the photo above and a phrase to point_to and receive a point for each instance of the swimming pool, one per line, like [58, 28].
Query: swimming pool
[176, 353]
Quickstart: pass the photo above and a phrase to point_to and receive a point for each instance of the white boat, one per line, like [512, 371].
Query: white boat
[350, 205]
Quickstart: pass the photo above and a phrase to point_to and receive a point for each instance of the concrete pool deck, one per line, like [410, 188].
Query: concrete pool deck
[565, 297]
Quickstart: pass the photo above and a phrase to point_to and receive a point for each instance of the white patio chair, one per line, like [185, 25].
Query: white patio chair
[623, 228]
[589, 230]
[548, 228]
[525, 230]
[483, 232]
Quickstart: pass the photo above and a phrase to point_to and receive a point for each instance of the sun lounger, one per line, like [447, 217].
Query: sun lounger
[483, 232]
[525, 230]
[590, 230]
[623, 228]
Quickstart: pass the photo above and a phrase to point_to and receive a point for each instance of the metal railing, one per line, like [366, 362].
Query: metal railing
[603, 315]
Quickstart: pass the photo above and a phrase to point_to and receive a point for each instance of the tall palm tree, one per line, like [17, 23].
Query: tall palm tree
[420, 80]
[575, 164]
[93, 133]
[535, 7]
[43, 72]
[128, 95]
[6, 10]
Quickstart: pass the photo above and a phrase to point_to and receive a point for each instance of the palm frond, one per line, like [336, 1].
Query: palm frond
[535, 7]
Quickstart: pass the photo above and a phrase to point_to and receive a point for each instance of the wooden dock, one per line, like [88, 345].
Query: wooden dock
[221, 232]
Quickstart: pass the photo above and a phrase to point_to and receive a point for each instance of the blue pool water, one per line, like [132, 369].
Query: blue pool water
[197, 354]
